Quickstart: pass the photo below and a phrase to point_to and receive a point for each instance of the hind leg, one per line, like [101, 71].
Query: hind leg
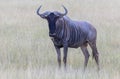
[86, 54]
[95, 52]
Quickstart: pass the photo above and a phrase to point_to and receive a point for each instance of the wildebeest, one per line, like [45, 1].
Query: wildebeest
[65, 33]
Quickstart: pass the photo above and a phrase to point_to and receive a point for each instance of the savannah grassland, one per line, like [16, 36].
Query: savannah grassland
[26, 51]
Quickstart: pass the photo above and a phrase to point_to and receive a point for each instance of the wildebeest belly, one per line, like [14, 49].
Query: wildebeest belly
[76, 44]
[59, 43]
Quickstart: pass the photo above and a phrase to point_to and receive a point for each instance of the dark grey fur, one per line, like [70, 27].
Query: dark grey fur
[69, 33]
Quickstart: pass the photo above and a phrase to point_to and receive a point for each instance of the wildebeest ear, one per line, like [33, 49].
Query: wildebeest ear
[44, 15]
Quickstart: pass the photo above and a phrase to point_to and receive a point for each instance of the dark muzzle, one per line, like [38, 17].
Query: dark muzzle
[52, 35]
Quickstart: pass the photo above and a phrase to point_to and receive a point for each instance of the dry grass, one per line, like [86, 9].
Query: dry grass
[26, 51]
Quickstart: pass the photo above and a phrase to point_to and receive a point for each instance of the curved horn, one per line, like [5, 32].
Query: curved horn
[66, 11]
[43, 15]
[38, 11]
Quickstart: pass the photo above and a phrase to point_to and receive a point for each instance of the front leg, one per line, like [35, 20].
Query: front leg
[58, 55]
[65, 50]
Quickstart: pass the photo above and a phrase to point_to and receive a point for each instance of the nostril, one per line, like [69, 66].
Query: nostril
[52, 35]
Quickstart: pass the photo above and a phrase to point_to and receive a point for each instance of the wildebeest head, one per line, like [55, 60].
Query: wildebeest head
[52, 17]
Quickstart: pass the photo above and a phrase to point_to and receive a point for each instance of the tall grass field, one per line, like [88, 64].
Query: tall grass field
[27, 52]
